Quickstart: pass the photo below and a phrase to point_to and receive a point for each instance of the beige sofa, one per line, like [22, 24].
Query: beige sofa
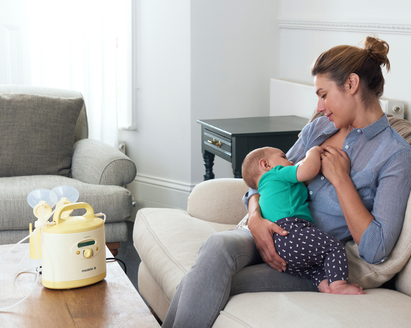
[168, 241]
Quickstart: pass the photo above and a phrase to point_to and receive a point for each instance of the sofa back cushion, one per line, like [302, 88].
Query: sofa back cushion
[37, 129]
[374, 275]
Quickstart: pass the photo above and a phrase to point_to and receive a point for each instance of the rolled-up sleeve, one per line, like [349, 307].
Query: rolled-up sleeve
[390, 203]
[247, 196]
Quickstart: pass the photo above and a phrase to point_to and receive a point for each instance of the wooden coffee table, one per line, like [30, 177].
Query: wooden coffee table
[113, 302]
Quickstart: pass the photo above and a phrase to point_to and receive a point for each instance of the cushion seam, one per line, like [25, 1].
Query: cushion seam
[234, 318]
[161, 244]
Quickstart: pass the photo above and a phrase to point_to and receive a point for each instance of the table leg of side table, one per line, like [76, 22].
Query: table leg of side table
[237, 174]
[208, 163]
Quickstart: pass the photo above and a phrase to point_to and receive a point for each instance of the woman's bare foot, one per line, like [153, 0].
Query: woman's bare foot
[344, 288]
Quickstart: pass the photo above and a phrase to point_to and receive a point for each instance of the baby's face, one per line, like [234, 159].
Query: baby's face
[277, 157]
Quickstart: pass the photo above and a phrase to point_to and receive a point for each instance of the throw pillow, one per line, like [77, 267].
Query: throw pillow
[37, 132]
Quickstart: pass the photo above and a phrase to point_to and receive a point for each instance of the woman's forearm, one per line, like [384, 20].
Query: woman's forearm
[263, 231]
[356, 215]
[254, 210]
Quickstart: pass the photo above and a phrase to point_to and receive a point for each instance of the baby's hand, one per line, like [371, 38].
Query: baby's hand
[315, 149]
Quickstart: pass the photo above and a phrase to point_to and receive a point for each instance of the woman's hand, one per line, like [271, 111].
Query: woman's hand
[336, 167]
[335, 164]
[263, 231]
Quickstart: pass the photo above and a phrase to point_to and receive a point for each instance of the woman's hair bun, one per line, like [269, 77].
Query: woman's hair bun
[378, 50]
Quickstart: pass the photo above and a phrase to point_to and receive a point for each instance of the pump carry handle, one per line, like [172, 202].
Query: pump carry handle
[89, 215]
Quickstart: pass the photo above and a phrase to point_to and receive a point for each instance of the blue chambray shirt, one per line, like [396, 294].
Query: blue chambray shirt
[381, 172]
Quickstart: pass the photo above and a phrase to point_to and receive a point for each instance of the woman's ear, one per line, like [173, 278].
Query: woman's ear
[352, 83]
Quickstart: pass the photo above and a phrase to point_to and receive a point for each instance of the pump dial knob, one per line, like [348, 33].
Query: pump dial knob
[88, 253]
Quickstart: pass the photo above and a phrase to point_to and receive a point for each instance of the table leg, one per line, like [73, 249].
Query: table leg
[237, 174]
[208, 163]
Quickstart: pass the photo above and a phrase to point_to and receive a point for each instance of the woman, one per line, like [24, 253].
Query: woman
[353, 197]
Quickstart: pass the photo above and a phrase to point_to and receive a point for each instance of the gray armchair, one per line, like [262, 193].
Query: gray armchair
[44, 144]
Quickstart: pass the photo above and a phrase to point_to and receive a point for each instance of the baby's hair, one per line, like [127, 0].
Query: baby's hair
[250, 166]
[341, 61]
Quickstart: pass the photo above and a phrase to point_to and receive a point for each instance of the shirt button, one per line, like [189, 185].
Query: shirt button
[346, 146]
[311, 192]
[322, 178]
[358, 130]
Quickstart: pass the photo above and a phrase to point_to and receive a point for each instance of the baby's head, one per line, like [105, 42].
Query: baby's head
[259, 161]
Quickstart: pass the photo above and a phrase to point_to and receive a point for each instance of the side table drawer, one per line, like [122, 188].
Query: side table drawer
[217, 144]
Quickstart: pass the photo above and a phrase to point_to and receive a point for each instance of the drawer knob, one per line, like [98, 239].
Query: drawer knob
[213, 142]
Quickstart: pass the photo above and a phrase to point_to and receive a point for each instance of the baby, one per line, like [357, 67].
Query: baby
[309, 252]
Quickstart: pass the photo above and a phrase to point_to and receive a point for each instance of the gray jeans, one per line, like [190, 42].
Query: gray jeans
[227, 264]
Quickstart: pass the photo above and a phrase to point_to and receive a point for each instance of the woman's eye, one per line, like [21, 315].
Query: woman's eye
[323, 96]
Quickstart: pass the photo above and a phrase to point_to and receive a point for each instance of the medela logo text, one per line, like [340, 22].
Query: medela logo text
[89, 269]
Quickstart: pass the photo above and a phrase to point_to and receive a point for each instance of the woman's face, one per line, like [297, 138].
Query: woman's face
[333, 101]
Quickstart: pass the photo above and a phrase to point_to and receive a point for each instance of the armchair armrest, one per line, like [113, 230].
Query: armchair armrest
[218, 200]
[97, 163]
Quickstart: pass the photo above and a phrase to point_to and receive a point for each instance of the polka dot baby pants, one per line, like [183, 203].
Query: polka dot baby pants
[311, 253]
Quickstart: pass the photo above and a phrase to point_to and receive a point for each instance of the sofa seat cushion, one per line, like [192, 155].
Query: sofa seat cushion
[16, 213]
[169, 250]
[37, 131]
[378, 308]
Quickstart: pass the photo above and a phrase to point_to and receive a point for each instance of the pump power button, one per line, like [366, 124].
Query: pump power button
[88, 253]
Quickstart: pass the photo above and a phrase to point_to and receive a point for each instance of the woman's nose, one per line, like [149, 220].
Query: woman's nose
[320, 106]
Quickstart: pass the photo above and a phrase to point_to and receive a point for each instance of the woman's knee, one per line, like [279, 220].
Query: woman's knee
[229, 245]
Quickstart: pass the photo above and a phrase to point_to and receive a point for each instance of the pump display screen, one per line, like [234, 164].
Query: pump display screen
[86, 243]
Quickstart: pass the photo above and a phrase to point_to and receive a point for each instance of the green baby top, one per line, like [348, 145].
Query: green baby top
[282, 196]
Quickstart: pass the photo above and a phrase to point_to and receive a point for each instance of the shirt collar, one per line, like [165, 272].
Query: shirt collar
[375, 128]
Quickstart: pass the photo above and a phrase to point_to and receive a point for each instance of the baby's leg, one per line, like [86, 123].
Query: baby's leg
[336, 270]
[299, 252]
[313, 254]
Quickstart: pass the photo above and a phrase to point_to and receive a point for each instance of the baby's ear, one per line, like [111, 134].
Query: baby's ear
[264, 164]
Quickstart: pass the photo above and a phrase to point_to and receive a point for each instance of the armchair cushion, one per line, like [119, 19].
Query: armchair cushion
[16, 214]
[50, 119]
[97, 163]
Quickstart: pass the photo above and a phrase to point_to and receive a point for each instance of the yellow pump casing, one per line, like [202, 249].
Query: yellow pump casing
[73, 249]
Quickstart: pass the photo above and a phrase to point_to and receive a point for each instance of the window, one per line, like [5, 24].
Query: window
[87, 46]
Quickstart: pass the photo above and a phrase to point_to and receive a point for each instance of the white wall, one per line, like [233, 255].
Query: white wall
[214, 59]
[307, 28]
[160, 147]
[196, 60]
[232, 59]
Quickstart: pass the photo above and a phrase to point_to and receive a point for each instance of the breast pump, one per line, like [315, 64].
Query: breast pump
[70, 250]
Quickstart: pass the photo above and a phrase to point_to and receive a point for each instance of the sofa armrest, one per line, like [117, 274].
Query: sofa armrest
[218, 200]
[97, 163]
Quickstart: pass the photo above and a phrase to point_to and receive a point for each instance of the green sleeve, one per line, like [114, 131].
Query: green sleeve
[288, 173]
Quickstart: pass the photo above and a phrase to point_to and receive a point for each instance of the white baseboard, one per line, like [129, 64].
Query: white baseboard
[151, 191]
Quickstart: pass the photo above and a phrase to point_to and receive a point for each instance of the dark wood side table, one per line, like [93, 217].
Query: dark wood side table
[233, 139]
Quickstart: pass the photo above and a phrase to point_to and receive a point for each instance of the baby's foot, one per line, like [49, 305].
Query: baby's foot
[344, 288]
[323, 287]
